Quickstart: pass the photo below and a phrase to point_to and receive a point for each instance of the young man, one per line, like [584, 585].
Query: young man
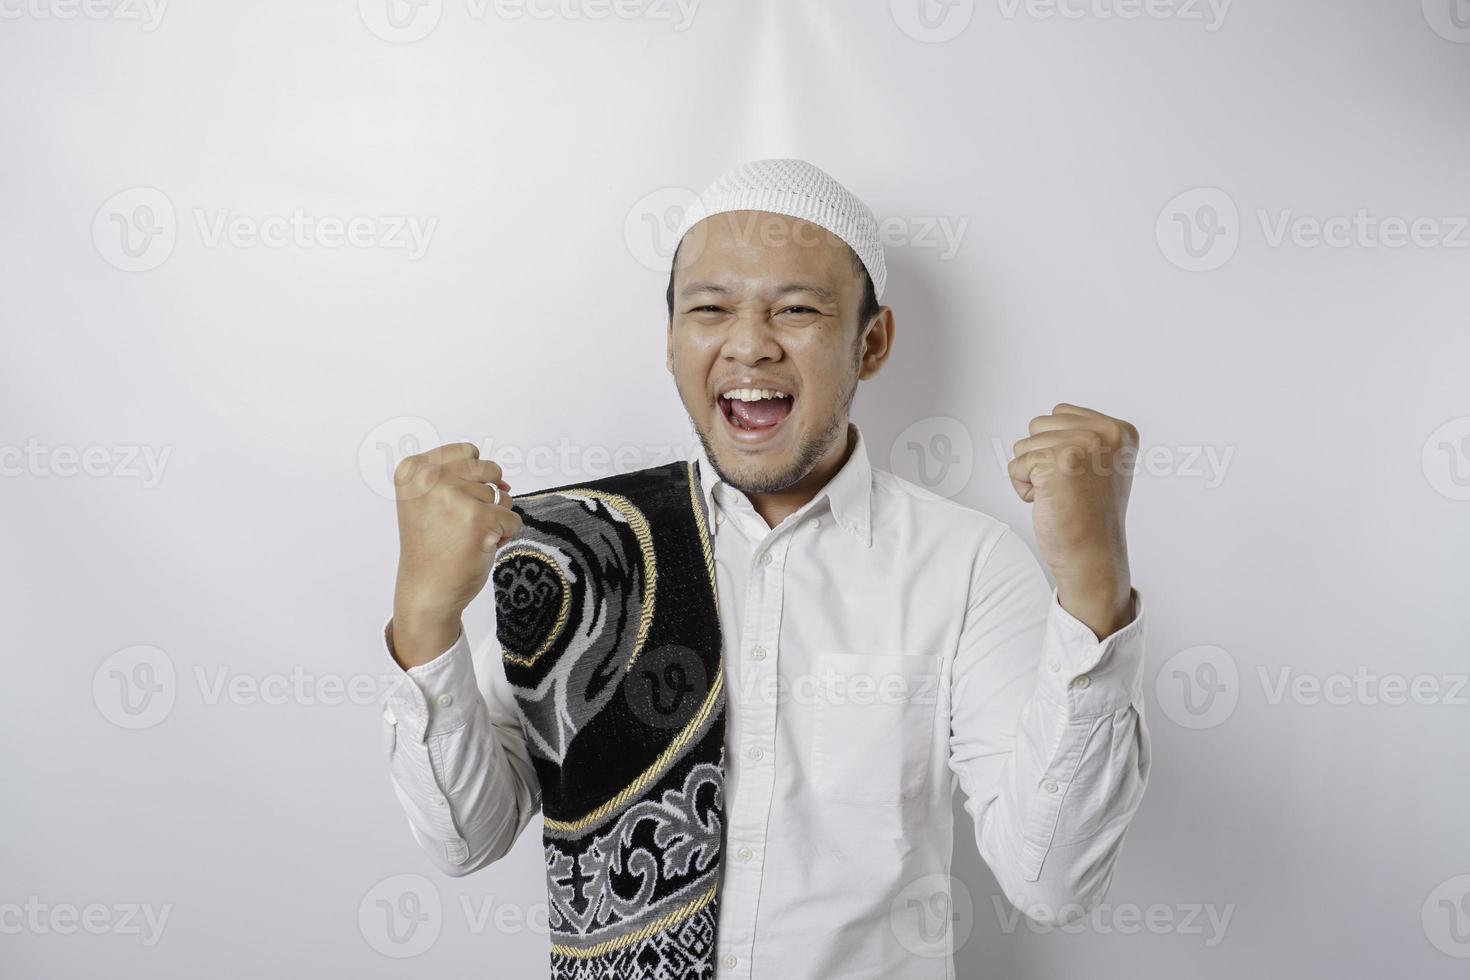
[880, 644]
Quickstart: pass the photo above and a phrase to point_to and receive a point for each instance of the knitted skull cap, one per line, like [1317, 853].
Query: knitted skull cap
[797, 189]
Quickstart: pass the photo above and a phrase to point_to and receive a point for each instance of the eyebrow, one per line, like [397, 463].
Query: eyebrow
[782, 290]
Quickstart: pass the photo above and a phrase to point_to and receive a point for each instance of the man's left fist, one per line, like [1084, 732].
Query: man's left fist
[1076, 468]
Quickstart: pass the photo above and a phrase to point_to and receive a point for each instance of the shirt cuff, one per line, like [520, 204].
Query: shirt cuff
[1088, 676]
[432, 698]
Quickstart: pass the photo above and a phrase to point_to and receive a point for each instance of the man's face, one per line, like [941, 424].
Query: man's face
[764, 301]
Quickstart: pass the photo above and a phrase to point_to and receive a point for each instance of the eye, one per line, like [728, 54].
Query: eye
[799, 309]
[702, 309]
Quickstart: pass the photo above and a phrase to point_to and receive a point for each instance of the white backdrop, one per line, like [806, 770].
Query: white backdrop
[254, 252]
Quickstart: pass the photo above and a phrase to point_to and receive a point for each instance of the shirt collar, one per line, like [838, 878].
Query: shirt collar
[849, 493]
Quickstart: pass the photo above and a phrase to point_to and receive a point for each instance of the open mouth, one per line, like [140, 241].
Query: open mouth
[755, 413]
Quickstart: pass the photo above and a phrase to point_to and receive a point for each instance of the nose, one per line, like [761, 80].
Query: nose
[750, 339]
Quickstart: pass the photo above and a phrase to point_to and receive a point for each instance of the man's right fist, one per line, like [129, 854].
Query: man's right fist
[450, 525]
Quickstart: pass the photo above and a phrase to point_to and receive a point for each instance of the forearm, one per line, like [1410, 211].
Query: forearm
[1047, 736]
[1066, 796]
[463, 777]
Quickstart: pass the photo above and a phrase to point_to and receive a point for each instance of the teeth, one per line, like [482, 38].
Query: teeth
[754, 394]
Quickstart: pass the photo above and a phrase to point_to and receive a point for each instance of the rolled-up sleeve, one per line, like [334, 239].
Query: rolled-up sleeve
[457, 757]
[1047, 736]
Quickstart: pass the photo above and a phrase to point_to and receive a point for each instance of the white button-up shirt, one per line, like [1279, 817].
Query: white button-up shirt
[882, 645]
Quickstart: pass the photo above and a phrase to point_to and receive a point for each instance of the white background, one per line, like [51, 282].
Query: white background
[546, 156]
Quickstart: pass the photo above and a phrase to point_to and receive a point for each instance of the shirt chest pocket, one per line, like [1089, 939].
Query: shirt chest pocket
[874, 726]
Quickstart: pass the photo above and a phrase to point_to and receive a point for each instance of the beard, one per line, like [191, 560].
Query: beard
[809, 449]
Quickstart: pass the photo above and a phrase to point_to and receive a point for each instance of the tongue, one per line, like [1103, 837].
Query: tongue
[761, 414]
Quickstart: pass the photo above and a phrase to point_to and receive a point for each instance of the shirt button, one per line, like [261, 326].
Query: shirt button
[1050, 786]
[759, 653]
[757, 754]
[746, 854]
[437, 800]
[814, 522]
[730, 962]
[765, 557]
[1082, 681]
[719, 519]
[1053, 666]
[446, 700]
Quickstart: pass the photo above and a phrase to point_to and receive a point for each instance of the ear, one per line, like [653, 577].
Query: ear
[878, 343]
[669, 347]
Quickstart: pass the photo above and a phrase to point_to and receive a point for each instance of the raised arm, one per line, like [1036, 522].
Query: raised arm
[1047, 737]
[456, 751]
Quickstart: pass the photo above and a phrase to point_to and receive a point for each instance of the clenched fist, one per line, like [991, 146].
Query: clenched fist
[1076, 468]
[454, 511]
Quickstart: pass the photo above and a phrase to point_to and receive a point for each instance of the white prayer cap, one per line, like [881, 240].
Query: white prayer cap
[800, 190]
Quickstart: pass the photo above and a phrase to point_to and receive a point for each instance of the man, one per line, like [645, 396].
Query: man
[880, 644]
